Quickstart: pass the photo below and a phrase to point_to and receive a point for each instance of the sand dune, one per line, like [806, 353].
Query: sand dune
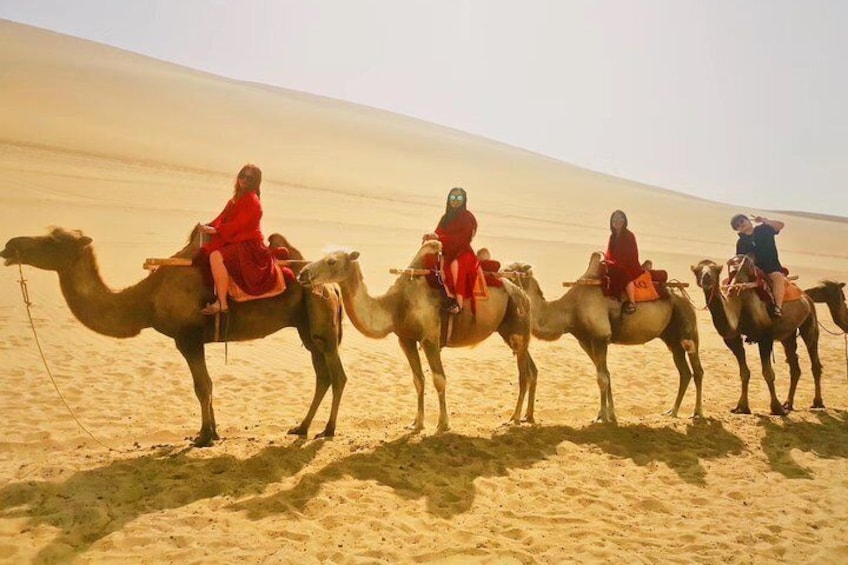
[134, 151]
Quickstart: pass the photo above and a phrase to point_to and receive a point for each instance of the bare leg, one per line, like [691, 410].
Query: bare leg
[220, 276]
[454, 269]
[778, 287]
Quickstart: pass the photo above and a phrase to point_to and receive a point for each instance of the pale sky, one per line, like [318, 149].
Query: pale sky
[736, 101]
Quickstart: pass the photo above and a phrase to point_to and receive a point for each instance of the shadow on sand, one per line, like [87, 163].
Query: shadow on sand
[442, 468]
[92, 504]
[826, 438]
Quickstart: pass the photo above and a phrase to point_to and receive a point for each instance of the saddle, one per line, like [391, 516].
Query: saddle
[649, 286]
[762, 286]
[485, 277]
[282, 274]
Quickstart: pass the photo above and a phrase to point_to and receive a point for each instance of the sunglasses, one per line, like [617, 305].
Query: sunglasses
[456, 197]
[248, 178]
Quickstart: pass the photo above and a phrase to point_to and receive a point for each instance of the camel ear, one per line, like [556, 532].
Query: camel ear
[353, 255]
[842, 285]
[693, 268]
[85, 241]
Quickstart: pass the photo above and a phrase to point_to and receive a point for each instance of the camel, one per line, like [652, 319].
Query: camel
[169, 300]
[412, 310]
[831, 293]
[597, 321]
[744, 315]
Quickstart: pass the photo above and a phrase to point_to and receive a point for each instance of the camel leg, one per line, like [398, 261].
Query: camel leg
[766, 347]
[322, 384]
[339, 380]
[698, 377]
[527, 374]
[790, 346]
[597, 351]
[685, 375]
[738, 348]
[434, 359]
[809, 331]
[532, 377]
[192, 348]
[410, 349]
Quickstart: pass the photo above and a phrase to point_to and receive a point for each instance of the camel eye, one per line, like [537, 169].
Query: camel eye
[331, 261]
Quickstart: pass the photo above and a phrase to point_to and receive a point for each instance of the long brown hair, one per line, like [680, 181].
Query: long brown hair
[255, 181]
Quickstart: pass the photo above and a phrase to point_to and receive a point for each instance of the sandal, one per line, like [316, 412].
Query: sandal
[213, 308]
[776, 312]
[453, 306]
[628, 307]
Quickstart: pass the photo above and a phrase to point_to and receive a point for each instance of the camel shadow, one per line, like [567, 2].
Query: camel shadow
[442, 468]
[92, 504]
[826, 439]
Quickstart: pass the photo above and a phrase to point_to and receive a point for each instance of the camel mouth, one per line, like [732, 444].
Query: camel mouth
[304, 279]
[10, 257]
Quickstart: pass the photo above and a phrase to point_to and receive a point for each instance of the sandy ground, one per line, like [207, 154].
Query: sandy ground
[133, 152]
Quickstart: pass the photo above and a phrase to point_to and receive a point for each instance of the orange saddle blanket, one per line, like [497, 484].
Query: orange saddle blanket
[645, 289]
[283, 273]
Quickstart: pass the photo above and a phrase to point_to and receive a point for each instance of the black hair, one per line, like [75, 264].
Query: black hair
[450, 211]
[736, 220]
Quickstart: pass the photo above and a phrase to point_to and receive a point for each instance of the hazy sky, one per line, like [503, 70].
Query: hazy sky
[736, 101]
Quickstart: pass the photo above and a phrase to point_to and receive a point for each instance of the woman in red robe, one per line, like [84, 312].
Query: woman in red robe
[622, 261]
[455, 230]
[236, 248]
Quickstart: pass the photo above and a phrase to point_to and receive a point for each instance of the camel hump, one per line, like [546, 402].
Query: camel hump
[593, 271]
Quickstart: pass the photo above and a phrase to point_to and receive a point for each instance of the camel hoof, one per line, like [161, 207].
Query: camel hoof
[298, 431]
[672, 413]
[818, 406]
[415, 427]
[788, 407]
[778, 410]
[204, 440]
[740, 410]
[529, 420]
[326, 433]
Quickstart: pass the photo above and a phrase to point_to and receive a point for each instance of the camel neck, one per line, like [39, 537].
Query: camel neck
[549, 319]
[370, 315]
[725, 318]
[115, 314]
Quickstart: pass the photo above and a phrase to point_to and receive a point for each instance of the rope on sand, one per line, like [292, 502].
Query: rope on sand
[28, 303]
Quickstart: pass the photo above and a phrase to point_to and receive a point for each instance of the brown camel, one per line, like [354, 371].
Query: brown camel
[412, 310]
[597, 321]
[169, 300]
[831, 293]
[744, 314]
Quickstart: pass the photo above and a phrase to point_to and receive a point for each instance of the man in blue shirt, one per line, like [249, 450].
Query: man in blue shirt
[759, 241]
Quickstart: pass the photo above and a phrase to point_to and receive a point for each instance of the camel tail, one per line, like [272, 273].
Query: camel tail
[688, 345]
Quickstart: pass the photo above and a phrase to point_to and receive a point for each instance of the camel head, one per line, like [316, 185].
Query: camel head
[741, 268]
[829, 292]
[428, 247]
[53, 252]
[518, 272]
[332, 268]
[707, 274]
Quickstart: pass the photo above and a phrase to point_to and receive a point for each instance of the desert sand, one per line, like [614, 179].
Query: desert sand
[134, 152]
